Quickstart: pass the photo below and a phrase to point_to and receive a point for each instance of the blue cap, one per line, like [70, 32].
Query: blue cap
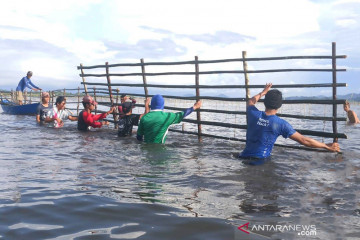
[157, 102]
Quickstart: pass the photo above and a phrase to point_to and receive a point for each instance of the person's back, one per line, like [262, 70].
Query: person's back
[154, 125]
[126, 124]
[263, 130]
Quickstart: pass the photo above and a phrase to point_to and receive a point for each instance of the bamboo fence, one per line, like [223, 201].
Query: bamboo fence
[106, 88]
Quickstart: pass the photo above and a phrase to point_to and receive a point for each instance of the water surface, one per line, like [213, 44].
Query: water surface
[65, 184]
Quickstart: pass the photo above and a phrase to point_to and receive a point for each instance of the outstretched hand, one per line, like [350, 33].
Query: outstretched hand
[197, 105]
[267, 88]
[112, 109]
[333, 147]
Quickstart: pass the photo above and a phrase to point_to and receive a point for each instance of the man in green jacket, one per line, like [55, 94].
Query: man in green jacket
[155, 124]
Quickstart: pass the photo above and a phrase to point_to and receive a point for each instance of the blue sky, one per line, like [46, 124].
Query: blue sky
[51, 38]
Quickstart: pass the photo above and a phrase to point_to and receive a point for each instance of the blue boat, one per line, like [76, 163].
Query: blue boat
[13, 108]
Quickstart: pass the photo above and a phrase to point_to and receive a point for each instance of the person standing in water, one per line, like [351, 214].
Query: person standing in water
[43, 108]
[353, 118]
[128, 119]
[154, 125]
[87, 119]
[59, 114]
[265, 127]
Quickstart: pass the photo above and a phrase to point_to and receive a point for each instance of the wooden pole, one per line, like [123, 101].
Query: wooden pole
[25, 97]
[110, 92]
[52, 97]
[64, 92]
[78, 104]
[198, 116]
[30, 96]
[144, 78]
[334, 123]
[95, 100]
[117, 98]
[246, 76]
[83, 79]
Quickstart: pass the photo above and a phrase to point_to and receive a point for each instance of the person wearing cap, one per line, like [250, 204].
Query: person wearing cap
[25, 82]
[87, 119]
[127, 119]
[154, 125]
[43, 108]
[264, 128]
[59, 114]
[124, 98]
[353, 118]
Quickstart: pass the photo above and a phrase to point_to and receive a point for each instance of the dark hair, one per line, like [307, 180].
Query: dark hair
[127, 107]
[60, 99]
[273, 99]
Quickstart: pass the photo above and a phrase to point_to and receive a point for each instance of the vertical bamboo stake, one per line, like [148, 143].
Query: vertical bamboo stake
[30, 95]
[246, 76]
[95, 100]
[334, 123]
[144, 78]
[40, 96]
[25, 97]
[52, 97]
[117, 98]
[78, 104]
[198, 116]
[110, 92]
[83, 79]
[64, 92]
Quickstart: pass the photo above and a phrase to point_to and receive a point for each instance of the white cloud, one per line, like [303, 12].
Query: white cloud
[96, 31]
[346, 22]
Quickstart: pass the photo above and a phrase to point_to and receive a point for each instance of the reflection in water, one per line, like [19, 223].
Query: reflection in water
[262, 186]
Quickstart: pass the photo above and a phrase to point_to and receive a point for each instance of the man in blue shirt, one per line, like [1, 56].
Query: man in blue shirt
[25, 82]
[264, 128]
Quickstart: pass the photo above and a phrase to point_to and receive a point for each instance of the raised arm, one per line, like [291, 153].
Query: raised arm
[309, 142]
[147, 107]
[252, 101]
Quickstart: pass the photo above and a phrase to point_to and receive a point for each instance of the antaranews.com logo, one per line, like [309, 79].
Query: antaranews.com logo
[301, 230]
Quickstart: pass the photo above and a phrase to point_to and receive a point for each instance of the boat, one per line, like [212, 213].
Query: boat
[13, 108]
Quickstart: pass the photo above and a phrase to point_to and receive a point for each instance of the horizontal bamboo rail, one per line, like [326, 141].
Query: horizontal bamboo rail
[306, 101]
[209, 61]
[211, 72]
[220, 86]
[244, 113]
[237, 126]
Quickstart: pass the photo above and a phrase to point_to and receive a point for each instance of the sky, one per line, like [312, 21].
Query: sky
[51, 38]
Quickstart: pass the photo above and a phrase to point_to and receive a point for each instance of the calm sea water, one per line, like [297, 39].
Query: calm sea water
[65, 184]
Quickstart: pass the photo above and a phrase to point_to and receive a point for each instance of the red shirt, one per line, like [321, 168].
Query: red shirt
[91, 119]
